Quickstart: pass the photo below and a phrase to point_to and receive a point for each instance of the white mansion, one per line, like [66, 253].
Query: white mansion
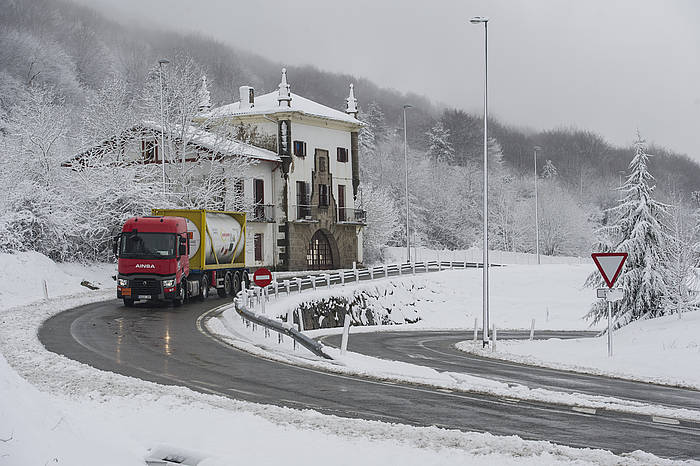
[303, 192]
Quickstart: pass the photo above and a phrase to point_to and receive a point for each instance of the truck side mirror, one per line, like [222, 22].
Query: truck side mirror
[182, 249]
[115, 246]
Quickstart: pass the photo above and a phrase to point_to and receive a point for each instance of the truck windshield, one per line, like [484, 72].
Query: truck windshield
[147, 245]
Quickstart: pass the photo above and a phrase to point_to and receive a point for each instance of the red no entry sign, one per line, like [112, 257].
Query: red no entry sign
[610, 265]
[262, 277]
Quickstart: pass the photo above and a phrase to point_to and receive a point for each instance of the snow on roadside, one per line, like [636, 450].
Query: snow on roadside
[229, 328]
[22, 276]
[553, 295]
[664, 350]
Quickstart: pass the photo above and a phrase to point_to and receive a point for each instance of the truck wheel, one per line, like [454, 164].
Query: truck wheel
[203, 288]
[236, 283]
[128, 302]
[226, 290]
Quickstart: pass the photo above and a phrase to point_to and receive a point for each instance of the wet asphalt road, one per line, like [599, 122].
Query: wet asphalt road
[164, 345]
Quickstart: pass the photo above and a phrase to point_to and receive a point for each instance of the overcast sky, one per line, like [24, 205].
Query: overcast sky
[610, 66]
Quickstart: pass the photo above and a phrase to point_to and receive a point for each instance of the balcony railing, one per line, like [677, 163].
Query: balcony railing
[262, 213]
[351, 215]
[310, 213]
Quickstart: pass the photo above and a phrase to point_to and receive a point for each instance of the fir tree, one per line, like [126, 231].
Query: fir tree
[549, 170]
[440, 148]
[637, 228]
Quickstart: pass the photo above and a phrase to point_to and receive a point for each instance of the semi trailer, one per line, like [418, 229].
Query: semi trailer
[177, 254]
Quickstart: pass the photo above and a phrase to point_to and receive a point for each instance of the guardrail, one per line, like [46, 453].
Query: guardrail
[247, 299]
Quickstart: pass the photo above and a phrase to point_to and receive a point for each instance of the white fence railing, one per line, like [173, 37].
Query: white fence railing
[250, 302]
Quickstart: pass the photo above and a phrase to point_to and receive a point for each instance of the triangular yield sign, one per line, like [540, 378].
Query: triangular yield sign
[610, 265]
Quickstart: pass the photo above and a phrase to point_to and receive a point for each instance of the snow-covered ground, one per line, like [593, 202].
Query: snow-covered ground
[662, 350]
[553, 295]
[394, 255]
[22, 278]
[57, 411]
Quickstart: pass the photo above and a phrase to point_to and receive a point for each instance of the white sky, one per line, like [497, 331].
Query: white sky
[609, 66]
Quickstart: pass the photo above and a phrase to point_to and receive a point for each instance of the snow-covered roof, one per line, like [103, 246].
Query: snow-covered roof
[214, 142]
[267, 104]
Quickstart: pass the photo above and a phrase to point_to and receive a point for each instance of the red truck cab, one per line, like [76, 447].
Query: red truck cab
[153, 259]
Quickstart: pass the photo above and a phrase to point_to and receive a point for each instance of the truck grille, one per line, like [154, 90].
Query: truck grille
[145, 287]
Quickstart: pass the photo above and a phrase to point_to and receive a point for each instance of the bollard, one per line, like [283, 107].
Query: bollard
[46, 290]
[400, 268]
[346, 334]
[532, 330]
[371, 273]
[493, 332]
[290, 316]
[286, 286]
[475, 329]
[298, 280]
[386, 271]
[413, 267]
[328, 281]
[313, 282]
[357, 274]
[342, 278]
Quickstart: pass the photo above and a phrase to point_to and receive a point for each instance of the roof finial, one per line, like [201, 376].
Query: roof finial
[285, 96]
[352, 103]
[203, 96]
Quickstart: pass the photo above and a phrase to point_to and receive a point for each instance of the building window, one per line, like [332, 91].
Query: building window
[149, 150]
[322, 164]
[259, 199]
[300, 148]
[323, 195]
[341, 203]
[258, 246]
[303, 207]
[318, 255]
[342, 154]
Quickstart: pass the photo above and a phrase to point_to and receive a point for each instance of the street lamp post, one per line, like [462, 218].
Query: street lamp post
[537, 208]
[405, 159]
[161, 62]
[485, 265]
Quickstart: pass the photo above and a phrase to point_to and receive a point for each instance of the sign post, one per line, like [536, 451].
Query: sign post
[610, 265]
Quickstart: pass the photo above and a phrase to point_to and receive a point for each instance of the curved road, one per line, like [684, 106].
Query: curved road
[164, 345]
[437, 350]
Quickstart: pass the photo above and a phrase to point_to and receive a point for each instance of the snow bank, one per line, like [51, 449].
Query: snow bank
[553, 295]
[663, 350]
[22, 276]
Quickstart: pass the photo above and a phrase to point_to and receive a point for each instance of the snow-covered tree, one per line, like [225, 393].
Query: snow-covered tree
[637, 228]
[549, 170]
[440, 148]
[382, 221]
[682, 259]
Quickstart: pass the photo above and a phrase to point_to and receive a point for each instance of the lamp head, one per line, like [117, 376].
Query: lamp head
[163, 61]
[479, 19]
[407, 106]
[537, 148]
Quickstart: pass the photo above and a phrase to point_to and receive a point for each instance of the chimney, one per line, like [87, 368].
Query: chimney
[247, 97]
[351, 109]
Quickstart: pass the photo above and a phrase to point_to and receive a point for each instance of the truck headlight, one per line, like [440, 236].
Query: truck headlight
[122, 282]
[168, 283]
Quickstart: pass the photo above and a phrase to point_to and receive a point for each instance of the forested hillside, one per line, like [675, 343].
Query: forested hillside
[66, 58]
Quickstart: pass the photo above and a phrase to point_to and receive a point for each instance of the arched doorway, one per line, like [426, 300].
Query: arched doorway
[319, 255]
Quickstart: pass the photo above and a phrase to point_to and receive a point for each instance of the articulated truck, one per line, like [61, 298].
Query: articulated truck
[178, 254]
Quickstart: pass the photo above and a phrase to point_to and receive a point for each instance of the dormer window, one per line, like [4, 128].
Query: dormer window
[342, 154]
[300, 148]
